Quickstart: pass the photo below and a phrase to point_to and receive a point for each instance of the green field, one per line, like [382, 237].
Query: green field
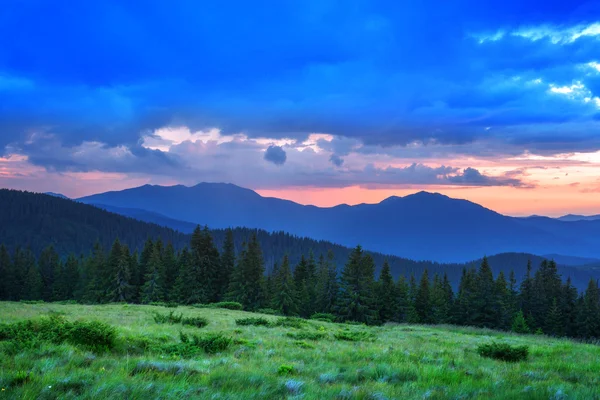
[309, 361]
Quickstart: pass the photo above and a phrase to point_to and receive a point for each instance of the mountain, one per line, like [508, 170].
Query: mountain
[574, 217]
[422, 226]
[62, 196]
[151, 217]
[38, 220]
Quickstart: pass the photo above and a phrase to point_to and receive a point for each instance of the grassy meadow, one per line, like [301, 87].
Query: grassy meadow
[290, 359]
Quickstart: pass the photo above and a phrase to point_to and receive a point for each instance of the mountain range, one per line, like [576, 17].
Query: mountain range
[35, 221]
[422, 226]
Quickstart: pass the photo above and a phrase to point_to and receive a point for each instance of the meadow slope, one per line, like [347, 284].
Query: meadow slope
[307, 361]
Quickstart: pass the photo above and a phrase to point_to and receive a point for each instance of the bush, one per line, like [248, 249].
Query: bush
[303, 344]
[354, 336]
[285, 369]
[307, 335]
[170, 318]
[290, 322]
[198, 322]
[503, 352]
[268, 311]
[229, 305]
[95, 335]
[252, 321]
[212, 343]
[323, 317]
[21, 378]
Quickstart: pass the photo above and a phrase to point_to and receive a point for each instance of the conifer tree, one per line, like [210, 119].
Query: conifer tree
[590, 320]
[285, 299]
[501, 302]
[70, 277]
[554, 320]
[519, 325]
[484, 308]
[33, 284]
[49, 264]
[171, 271]
[227, 265]
[440, 307]
[120, 289]
[327, 284]
[386, 295]
[6, 274]
[356, 300]
[411, 314]
[187, 285]
[423, 300]
[402, 299]
[568, 308]
[526, 292]
[152, 290]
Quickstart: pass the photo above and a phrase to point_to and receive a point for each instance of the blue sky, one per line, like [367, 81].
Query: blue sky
[301, 94]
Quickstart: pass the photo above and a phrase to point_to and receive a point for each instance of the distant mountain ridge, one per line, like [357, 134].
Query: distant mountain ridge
[575, 217]
[422, 226]
[34, 220]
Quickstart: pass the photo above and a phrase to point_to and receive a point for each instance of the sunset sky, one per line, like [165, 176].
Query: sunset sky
[321, 102]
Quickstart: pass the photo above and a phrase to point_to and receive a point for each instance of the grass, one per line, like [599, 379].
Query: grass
[287, 358]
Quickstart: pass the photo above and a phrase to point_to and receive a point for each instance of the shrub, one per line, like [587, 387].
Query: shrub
[307, 335]
[212, 343]
[268, 311]
[290, 322]
[323, 317]
[55, 329]
[198, 322]
[503, 352]
[229, 305]
[252, 321]
[21, 378]
[285, 369]
[354, 336]
[303, 344]
[95, 335]
[170, 318]
[31, 301]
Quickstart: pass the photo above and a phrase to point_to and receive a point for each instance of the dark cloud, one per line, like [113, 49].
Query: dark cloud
[336, 160]
[383, 72]
[276, 155]
[472, 177]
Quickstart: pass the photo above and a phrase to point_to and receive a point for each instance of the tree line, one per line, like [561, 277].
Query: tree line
[201, 273]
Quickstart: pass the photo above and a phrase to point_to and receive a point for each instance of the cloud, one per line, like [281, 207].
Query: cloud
[472, 177]
[336, 160]
[384, 73]
[276, 155]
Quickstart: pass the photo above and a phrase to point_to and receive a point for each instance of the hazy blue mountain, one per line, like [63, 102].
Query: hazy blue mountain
[571, 260]
[62, 196]
[575, 217]
[422, 226]
[151, 217]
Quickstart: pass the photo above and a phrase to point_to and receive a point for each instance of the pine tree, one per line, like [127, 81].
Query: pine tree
[485, 309]
[501, 302]
[285, 299]
[440, 306]
[466, 298]
[70, 277]
[554, 320]
[519, 324]
[568, 308]
[120, 289]
[227, 265]
[187, 285]
[386, 295]
[327, 284]
[171, 271]
[356, 299]
[526, 293]
[48, 266]
[248, 286]
[411, 311]
[6, 276]
[591, 311]
[152, 290]
[402, 299]
[33, 284]
[423, 300]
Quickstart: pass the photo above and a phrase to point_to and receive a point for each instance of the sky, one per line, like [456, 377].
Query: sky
[318, 101]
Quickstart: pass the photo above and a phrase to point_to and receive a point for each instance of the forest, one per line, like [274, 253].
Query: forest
[200, 273]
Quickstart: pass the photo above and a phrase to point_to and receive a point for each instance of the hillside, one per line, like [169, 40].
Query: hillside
[38, 220]
[422, 226]
[148, 360]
